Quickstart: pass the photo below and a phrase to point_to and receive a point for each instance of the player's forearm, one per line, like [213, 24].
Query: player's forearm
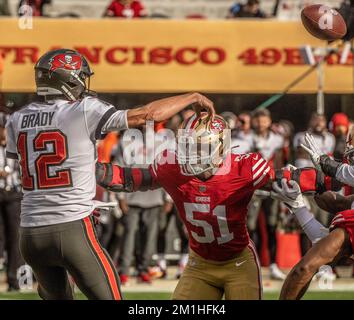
[310, 180]
[119, 179]
[341, 171]
[162, 109]
[295, 286]
[345, 174]
[334, 202]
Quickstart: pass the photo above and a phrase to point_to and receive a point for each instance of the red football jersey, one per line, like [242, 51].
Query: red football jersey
[215, 211]
[132, 10]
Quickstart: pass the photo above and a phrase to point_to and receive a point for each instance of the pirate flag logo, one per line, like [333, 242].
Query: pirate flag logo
[65, 61]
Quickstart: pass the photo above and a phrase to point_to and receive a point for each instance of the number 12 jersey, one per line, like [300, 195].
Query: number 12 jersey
[55, 145]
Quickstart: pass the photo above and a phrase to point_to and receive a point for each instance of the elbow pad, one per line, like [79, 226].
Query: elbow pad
[310, 180]
[329, 166]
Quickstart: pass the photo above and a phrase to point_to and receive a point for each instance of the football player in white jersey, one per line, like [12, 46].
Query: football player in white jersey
[54, 141]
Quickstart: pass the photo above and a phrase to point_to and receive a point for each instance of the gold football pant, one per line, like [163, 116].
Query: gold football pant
[237, 279]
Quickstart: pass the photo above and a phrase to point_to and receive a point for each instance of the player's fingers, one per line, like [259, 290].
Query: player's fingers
[285, 186]
[306, 149]
[276, 187]
[276, 196]
[197, 109]
[262, 193]
[308, 141]
[208, 106]
[294, 185]
[291, 167]
[313, 144]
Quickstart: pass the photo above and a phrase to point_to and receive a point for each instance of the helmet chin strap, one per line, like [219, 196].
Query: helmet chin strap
[88, 91]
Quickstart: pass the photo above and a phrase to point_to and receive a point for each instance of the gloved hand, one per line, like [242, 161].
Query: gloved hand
[98, 206]
[289, 193]
[313, 150]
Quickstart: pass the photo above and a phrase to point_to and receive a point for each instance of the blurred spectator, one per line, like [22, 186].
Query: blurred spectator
[4, 8]
[141, 211]
[249, 10]
[36, 5]
[125, 9]
[230, 118]
[265, 141]
[286, 130]
[10, 209]
[141, 217]
[269, 145]
[326, 142]
[339, 127]
[169, 211]
[167, 214]
[242, 135]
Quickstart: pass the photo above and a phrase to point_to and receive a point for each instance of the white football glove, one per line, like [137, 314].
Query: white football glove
[289, 193]
[105, 206]
[313, 150]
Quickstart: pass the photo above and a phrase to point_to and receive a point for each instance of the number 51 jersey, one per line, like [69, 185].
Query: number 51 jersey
[215, 211]
[55, 144]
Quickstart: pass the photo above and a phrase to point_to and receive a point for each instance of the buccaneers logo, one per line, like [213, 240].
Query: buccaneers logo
[65, 61]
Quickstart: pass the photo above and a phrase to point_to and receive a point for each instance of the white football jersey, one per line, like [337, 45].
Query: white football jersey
[55, 143]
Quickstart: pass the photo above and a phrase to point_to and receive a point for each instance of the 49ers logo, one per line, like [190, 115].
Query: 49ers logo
[65, 61]
[217, 125]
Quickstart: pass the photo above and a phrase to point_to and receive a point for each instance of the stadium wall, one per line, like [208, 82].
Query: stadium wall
[243, 57]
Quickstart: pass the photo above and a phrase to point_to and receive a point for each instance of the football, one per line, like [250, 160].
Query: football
[323, 22]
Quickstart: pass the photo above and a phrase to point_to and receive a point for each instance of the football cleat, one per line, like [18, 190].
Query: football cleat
[276, 273]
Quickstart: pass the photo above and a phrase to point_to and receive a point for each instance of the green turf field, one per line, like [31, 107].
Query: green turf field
[327, 295]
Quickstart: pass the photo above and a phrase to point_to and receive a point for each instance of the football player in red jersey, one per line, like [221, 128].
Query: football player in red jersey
[338, 243]
[211, 187]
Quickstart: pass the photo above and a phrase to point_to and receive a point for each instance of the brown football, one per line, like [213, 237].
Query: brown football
[323, 22]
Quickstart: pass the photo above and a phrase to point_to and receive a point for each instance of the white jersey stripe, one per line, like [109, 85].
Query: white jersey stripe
[261, 160]
[189, 124]
[261, 177]
[260, 170]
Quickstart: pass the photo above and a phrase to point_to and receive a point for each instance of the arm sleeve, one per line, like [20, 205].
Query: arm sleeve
[102, 117]
[345, 174]
[117, 179]
[260, 171]
[310, 180]
[11, 149]
[313, 229]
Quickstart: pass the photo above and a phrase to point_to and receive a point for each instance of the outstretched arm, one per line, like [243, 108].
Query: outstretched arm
[290, 193]
[334, 202]
[335, 169]
[164, 109]
[310, 180]
[327, 251]
[119, 179]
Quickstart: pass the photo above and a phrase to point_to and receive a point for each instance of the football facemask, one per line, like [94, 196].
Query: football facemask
[201, 145]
